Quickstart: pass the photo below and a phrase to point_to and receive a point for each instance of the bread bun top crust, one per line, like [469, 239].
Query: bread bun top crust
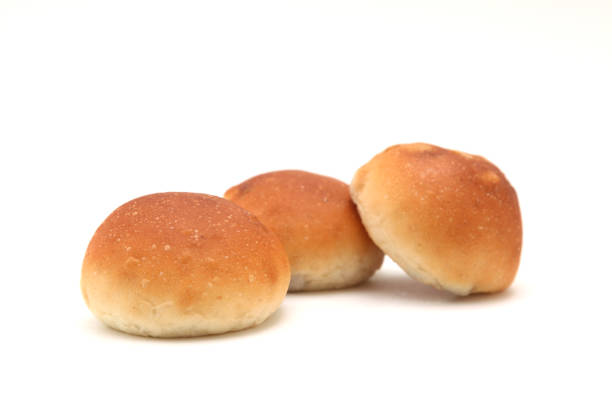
[184, 246]
[313, 215]
[454, 214]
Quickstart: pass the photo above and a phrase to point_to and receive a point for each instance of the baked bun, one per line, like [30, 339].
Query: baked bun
[318, 224]
[449, 219]
[183, 264]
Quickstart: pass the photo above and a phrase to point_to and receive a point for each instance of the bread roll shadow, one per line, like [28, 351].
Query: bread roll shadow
[100, 329]
[395, 285]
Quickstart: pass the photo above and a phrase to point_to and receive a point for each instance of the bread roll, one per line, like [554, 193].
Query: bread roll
[183, 264]
[318, 224]
[449, 219]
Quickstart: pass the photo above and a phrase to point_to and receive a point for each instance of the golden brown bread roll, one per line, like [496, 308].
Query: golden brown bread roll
[449, 219]
[183, 264]
[318, 224]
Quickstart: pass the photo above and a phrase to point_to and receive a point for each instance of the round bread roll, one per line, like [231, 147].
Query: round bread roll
[448, 218]
[183, 264]
[317, 223]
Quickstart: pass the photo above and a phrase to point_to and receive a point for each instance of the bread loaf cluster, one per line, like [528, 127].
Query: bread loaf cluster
[189, 264]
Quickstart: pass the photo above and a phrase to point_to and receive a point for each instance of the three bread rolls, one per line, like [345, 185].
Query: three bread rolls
[188, 264]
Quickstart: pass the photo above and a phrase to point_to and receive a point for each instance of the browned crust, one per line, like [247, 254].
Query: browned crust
[199, 252]
[454, 214]
[313, 215]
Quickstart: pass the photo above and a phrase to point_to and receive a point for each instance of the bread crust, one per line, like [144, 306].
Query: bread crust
[183, 264]
[448, 218]
[318, 224]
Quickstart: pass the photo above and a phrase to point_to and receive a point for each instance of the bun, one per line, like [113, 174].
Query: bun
[183, 264]
[449, 219]
[318, 224]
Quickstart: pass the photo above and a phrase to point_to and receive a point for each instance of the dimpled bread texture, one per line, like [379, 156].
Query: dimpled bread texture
[448, 218]
[318, 224]
[183, 264]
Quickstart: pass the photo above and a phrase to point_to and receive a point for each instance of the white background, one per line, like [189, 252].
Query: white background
[101, 102]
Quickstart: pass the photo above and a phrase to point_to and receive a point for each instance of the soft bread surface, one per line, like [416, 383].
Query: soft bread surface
[183, 264]
[449, 219]
[318, 224]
